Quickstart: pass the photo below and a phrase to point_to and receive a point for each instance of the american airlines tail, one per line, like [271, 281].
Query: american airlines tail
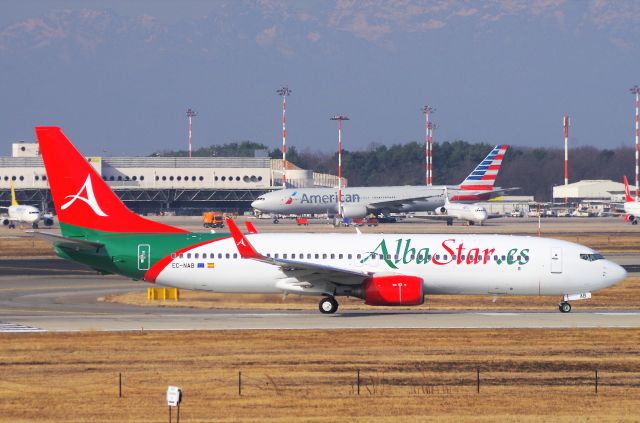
[84, 203]
[484, 175]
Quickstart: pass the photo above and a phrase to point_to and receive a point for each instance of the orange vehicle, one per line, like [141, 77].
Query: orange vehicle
[302, 221]
[213, 220]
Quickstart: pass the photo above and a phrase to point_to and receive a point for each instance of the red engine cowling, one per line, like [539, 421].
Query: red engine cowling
[393, 290]
[629, 218]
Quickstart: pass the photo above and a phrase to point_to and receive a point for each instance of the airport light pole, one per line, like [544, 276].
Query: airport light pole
[190, 115]
[283, 92]
[427, 110]
[636, 90]
[565, 122]
[340, 118]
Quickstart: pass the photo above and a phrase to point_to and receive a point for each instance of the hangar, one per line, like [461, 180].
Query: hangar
[163, 184]
[597, 189]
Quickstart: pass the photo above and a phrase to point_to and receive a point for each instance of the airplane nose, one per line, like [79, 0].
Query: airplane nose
[615, 273]
[255, 204]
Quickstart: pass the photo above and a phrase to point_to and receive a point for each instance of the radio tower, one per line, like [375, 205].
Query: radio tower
[339, 118]
[428, 145]
[283, 92]
[636, 90]
[190, 114]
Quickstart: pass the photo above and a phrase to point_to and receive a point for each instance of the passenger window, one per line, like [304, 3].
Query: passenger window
[226, 255]
[333, 256]
[324, 256]
[317, 256]
[173, 255]
[188, 255]
[275, 255]
[359, 256]
[340, 256]
[196, 255]
[308, 255]
[284, 256]
[235, 255]
[219, 255]
[349, 256]
[181, 255]
[293, 255]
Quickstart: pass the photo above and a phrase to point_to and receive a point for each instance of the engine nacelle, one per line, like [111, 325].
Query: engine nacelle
[5, 222]
[47, 221]
[629, 218]
[441, 210]
[394, 290]
[354, 211]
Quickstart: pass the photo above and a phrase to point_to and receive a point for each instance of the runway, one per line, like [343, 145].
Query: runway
[70, 300]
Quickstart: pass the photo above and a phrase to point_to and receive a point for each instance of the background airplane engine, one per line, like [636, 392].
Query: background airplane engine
[629, 218]
[441, 210]
[393, 290]
[354, 210]
[47, 221]
[5, 222]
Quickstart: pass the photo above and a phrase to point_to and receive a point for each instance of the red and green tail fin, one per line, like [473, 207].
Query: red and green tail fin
[81, 197]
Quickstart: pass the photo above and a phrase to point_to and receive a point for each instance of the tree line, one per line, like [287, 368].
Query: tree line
[535, 170]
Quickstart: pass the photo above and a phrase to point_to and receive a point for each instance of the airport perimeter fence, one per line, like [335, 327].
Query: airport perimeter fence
[300, 382]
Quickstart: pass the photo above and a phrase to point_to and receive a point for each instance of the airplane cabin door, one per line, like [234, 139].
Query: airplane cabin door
[556, 260]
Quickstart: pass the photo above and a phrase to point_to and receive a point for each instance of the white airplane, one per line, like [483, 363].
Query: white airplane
[470, 213]
[631, 205]
[384, 270]
[19, 214]
[359, 202]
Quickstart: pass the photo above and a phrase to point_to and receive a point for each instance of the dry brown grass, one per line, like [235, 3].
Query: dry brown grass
[407, 375]
[23, 246]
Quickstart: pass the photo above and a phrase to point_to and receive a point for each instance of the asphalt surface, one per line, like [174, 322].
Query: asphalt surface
[56, 295]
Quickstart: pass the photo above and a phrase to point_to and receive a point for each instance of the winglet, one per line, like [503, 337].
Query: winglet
[245, 249]
[252, 229]
[13, 195]
[627, 194]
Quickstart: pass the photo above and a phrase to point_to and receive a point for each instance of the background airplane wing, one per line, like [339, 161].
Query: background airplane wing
[399, 202]
[72, 243]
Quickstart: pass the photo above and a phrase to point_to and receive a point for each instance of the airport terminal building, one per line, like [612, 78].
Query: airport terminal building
[163, 184]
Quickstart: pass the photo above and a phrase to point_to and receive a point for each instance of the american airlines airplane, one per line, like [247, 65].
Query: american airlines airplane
[358, 202]
[17, 213]
[631, 206]
[384, 270]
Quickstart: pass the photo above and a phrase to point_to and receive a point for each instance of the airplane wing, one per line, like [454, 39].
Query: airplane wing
[399, 202]
[308, 272]
[71, 243]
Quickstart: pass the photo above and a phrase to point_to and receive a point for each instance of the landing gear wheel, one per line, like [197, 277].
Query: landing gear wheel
[564, 307]
[276, 221]
[635, 222]
[328, 305]
[34, 226]
[12, 226]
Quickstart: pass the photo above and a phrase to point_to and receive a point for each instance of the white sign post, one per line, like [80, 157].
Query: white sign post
[174, 398]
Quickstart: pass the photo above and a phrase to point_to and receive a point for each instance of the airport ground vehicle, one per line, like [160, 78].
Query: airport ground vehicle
[99, 231]
[213, 220]
[302, 221]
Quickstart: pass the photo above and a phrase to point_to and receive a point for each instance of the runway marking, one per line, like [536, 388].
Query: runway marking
[15, 327]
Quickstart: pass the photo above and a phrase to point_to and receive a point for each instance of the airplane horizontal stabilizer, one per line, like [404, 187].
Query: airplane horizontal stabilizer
[62, 241]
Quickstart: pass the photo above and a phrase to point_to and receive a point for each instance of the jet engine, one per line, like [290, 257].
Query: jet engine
[5, 222]
[441, 210]
[47, 221]
[630, 218]
[354, 211]
[394, 290]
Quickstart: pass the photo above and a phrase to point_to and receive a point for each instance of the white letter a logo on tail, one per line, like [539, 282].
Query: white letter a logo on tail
[90, 199]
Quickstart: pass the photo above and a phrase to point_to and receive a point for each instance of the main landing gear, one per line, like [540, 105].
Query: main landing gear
[564, 307]
[328, 305]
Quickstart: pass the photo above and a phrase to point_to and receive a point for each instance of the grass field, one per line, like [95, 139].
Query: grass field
[406, 375]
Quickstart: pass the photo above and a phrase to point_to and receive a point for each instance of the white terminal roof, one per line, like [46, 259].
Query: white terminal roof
[595, 189]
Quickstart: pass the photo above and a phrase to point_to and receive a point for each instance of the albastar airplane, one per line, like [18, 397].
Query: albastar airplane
[631, 206]
[384, 270]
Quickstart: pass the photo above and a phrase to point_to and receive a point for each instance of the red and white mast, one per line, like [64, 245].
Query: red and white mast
[428, 144]
[339, 118]
[565, 122]
[283, 92]
[190, 114]
[636, 90]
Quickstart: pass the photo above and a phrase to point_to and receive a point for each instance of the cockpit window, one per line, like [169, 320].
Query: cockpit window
[591, 257]
[260, 199]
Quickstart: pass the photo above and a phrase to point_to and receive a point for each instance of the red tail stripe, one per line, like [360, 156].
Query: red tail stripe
[487, 177]
[476, 187]
[498, 157]
[494, 167]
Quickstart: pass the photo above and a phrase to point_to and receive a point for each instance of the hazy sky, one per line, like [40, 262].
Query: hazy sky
[117, 76]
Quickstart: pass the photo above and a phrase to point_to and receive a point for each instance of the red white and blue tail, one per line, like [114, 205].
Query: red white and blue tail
[627, 193]
[484, 175]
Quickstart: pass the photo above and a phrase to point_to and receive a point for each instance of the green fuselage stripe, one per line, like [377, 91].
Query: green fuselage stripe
[128, 254]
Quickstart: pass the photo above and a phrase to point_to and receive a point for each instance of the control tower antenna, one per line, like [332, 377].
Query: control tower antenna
[283, 92]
